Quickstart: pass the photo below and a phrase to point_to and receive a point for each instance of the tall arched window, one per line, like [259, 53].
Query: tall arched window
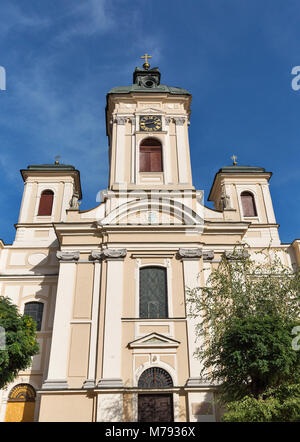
[150, 155]
[248, 204]
[46, 203]
[153, 292]
[35, 310]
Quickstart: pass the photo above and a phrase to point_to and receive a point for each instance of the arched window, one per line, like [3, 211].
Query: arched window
[35, 310]
[46, 203]
[153, 292]
[155, 377]
[248, 204]
[150, 155]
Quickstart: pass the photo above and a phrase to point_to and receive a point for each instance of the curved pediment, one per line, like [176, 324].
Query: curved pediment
[157, 211]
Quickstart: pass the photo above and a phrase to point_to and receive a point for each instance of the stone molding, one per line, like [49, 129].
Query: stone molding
[190, 253]
[121, 120]
[96, 254]
[179, 121]
[234, 256]
[200, 382]
[108, 254]
[114, 253]
[89, 384]
[208, 255]
[196, 382]
[68, 256]
[55, 384]
[110, 383]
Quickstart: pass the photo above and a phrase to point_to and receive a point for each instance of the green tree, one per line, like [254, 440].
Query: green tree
[277, 405]
[253, 354]
[20, 341]
[246, 313]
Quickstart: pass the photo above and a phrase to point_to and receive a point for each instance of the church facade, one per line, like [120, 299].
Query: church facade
[108, 286]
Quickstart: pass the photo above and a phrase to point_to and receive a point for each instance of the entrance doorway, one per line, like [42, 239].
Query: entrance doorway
[20, 404]
[155, 408]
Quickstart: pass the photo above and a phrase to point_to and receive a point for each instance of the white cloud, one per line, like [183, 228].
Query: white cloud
[13, 18]
[54, 122]
[88, 18]
[70, 123]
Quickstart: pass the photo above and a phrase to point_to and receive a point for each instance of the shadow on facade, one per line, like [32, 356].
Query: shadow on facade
[33, 377]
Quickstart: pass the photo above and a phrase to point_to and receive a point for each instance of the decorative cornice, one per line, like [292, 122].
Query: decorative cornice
[114, 253]
[179, 121]
[190, 253]
[108, 254]
[96, 254]
[121, 120]
[235, 256]
[208, 255]
[68, 256]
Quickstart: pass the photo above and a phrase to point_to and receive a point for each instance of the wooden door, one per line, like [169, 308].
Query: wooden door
[21, 404]
[155, 408]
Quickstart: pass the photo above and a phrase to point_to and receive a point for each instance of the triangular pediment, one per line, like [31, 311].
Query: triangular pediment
[153, 340]
[152, 110]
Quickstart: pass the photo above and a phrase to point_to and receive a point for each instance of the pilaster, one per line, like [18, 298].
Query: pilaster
[57, 372]
[111, 372]
[191, 269]
[120, 149]
[268, 204]
[90, 382]
[181, 150]
[133, 151]
[167, 153]
[27, 195]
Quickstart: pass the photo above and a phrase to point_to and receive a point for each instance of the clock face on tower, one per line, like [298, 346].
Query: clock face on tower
[150, 123]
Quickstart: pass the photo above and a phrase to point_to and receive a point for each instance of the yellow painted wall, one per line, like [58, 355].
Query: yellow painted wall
[19, 412]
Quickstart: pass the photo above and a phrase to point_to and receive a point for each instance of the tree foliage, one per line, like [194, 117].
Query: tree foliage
[20, 341]
[280, 405]
[246, 313]
[253, 354]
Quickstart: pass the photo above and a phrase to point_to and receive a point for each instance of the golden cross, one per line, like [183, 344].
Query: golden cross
[56, 159]
[234, 158]
[146, 65]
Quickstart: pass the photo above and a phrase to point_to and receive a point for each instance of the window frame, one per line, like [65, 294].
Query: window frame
[167, 292]
[158, 147]
[169, 383]
[43, 192]
[249, 193]
[42, 312]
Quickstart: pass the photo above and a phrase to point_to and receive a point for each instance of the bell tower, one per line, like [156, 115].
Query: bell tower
[147, 127]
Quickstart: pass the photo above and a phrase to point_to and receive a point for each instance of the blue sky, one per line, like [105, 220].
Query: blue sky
[235, 57]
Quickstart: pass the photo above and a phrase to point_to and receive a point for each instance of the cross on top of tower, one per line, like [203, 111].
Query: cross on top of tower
[234, 158]
[146, 65]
